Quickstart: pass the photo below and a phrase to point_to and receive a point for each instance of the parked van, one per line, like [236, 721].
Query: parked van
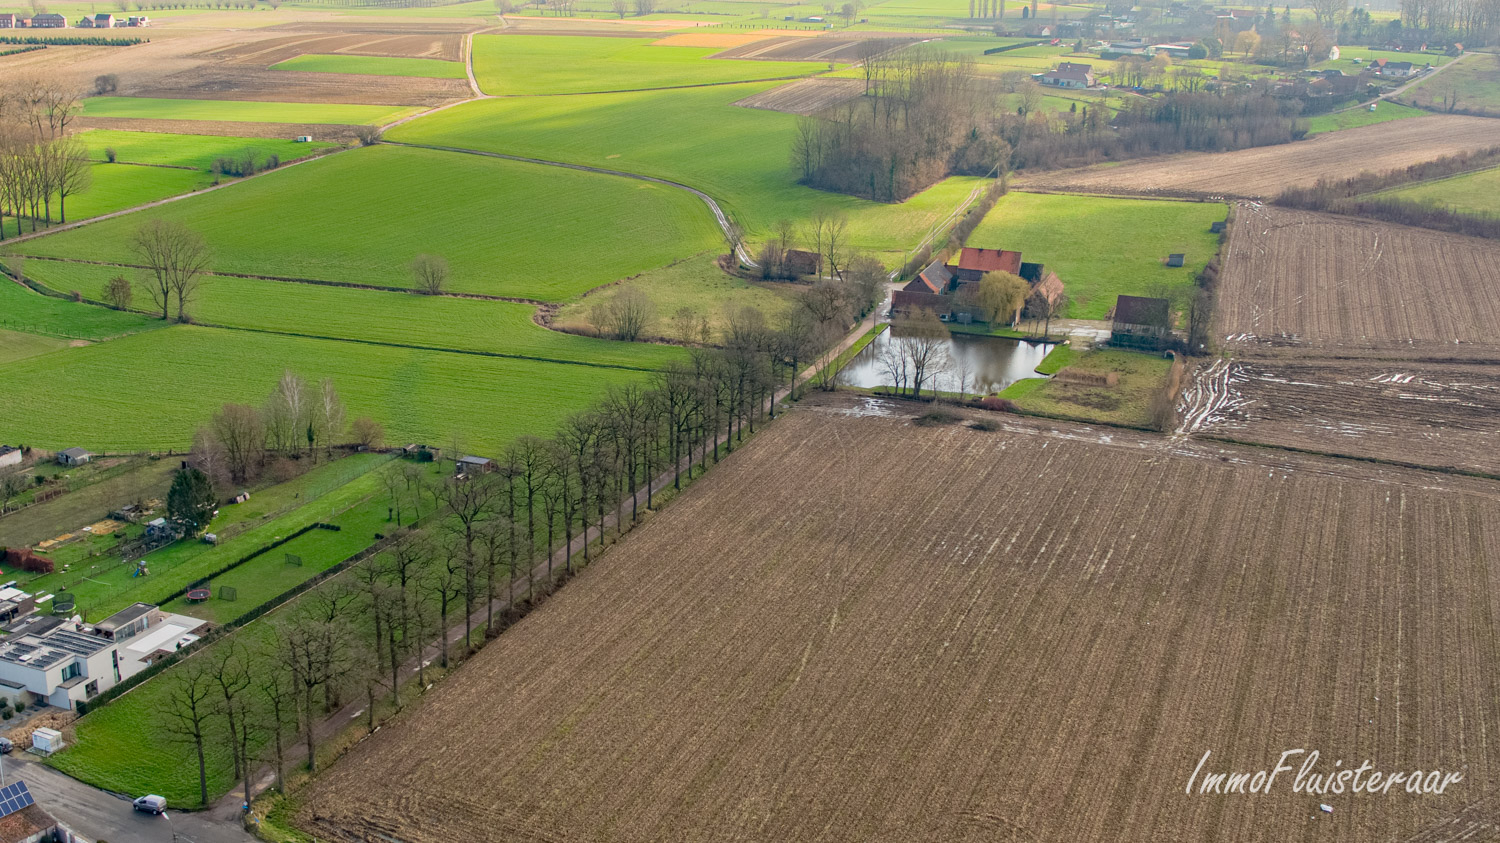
[150, 804]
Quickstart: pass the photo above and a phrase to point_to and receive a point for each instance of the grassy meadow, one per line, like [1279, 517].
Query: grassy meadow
[194, 151]
[1475, 83]
[15, 345]
[239, 111]
[1470, 193]
[511, 65]
[442, 322]
[740, 156]
[1385, 111]
[375, 66]
[521, 230]
[22, 309]
[1068, 234]
[151, 390]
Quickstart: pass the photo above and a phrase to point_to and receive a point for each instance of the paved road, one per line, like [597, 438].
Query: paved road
[98, 815]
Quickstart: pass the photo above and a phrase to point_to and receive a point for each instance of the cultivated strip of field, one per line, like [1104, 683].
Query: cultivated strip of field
[510, 65]
[374, 66]
[1344, 286]
[236, 111]
[1267, 170]
[1443, 415]
[806, 96]
[890, 633]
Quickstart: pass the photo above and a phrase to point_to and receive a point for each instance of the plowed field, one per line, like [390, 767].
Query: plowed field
[861, 630]
[1265, 171]
[805, 96]
[1441, 415]
[841, 48]
[1296, 281]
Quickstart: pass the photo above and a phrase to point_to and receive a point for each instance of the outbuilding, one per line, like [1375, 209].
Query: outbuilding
[73, 456]
[1140, 322]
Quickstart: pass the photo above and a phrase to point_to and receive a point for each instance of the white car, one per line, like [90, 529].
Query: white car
[150, 804]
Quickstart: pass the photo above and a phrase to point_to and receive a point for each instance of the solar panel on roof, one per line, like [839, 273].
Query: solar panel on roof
[14, 797]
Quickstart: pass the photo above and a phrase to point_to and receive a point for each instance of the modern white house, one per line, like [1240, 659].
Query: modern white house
[61, 664]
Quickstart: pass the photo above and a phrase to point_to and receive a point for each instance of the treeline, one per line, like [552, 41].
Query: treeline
[19, 50]
[468, 543]
[241, 442]
[1463, 19]
[70, 40]
[1175, 122]
[39, 161]
[925, 115]
[1354, 196]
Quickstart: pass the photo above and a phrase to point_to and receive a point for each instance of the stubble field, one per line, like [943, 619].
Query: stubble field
[1266, 171]
[862, 630]
[1295, 281]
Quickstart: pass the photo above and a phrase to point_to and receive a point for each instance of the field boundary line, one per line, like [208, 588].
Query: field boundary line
[21, 238]
[725, 224]
[434, 348]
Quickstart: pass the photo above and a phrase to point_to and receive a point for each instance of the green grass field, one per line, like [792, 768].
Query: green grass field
[505, 228]
[740, 156]
[1102, 248]
[441, 322]
[375, 66]
[1141, 377]
[15, 345]
[1347, 55]
[1470, 193]
[236, 111]
[1475, 82]
[151, 390]
[697, 284]
[1354, 118]
[511, 65]
[196, 151]
[22, 309]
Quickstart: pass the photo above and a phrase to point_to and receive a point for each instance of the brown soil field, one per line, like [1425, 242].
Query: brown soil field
[824, 48]
[1296, 281]
[322, 131]
[805, 96]
[268, 51]
[1444, 415]
[1265, 171]
[857, 629]
[237, 82]
[710, 39]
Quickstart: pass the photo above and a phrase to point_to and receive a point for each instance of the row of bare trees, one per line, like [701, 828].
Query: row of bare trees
[470, 544]
[41, 164]
[296, 420]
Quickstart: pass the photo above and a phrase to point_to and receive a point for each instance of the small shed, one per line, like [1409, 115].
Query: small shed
[467, 465]
[9, 455]
[799, 262]
[46, 741]
[1140, 322]
[73, 456]
[1176, 259]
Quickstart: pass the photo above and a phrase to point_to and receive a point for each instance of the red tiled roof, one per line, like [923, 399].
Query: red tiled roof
[989, 260]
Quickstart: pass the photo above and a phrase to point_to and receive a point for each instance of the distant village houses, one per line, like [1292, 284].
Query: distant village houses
[49, 20]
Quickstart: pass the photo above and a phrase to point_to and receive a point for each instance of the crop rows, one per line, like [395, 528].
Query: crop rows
[862, 630]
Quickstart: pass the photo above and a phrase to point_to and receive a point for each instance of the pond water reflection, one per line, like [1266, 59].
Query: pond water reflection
[993, 362]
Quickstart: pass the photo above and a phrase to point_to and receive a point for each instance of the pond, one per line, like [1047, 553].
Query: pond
[993, 363]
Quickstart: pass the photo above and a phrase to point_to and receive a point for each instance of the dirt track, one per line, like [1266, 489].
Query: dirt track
[1265, 171]
[860, 630]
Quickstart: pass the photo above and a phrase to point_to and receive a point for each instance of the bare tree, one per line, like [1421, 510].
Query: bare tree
[430, 273]
[328, 415]
[106, 84]
[625, 316]
[238, 430]
[368, 433]
[117, 292]
[12, 484]
[287, 414]
[74, 171]
[176, 257]
[189, 711]
[274, 683]
[920, 342]
[368, 135]
[620, 7]
[229, 667]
